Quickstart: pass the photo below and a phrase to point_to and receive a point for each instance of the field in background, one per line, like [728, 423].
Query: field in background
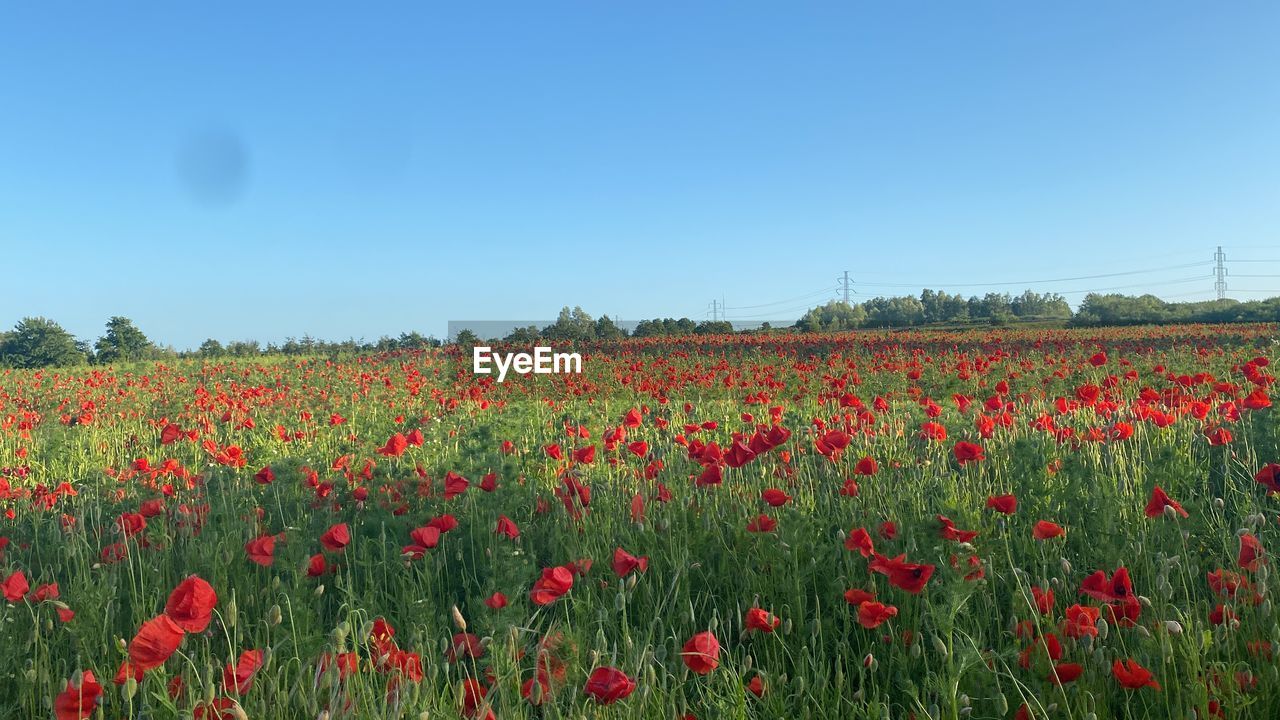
[985, 524]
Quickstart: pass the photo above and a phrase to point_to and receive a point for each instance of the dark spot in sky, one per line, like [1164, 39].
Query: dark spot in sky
[213, 166]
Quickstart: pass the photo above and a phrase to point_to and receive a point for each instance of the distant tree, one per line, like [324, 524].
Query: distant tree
[607, 329]
[894, 312]
[573, 324]
[522, 335]
[37, 342]
[123, 342]
[211, 349]
[835, 316]
[466, 339]
[244, 348]
[1047, 306]
[713, 327]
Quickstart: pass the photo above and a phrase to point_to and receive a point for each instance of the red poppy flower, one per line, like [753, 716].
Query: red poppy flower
[1269, 476]
[395, 446]
[78, 702]
[967, 452]
[1133, 676]
[871, 614]
[1045, 530]
[336, 537]
[607, 685]
[1065, 673]
[265, 476]
[910, 577]
[156, 640]
[496, 601]
[624, 563]
[859, 540]
[554, 583]
[775, 497]
[262, 550]
[1159, 501]
[316, 566]
[764, 621]
[1006, 504]
[1251, 552]
[426, 537]
[949, 531]
[1116, 589]
[15, 586]
[866, 466]
[191, 604]
[238, 679]
[701, 653]
[507, 527]
[1080, 621]
[857, 596]
[762, 524]
[1043, 599]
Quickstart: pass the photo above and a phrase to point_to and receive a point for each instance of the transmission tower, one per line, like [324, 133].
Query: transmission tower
[1220, 272]
[845, 285]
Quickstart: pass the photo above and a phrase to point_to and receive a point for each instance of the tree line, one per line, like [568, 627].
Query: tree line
[39, 342]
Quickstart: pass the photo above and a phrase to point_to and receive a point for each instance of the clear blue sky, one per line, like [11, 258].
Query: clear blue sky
[261, 170]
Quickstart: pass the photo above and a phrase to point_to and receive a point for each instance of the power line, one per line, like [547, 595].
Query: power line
[779, 302]
[1037, 282]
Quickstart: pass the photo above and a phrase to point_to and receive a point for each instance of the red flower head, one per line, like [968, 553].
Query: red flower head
[624, 563]
[1159, 501]
[860, 540]
[1133, 676]
[967, 452]
[15, 586]
[238, 678]
[78, 703]
[553, 584]
[775, 497]
[907, 576]
[701, 653]
[1045, 530]
[871, 614]
[1116, 589]
[190, 604]
[608, 685]
[395, 447]
[1006, 504]
[336, 537]
[156, 640]
[764, 621]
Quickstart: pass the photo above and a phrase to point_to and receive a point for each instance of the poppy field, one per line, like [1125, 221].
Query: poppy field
[916, 524]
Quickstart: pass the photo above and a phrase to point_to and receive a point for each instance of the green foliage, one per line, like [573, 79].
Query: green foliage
[124, 342]
[38, 342]
[835, 316]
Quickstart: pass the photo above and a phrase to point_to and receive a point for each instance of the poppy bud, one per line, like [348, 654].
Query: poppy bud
[319, 590]
[274, 615]
[1103, 629]
[1066, 567]
[129, 688]
[1170, 512]
[1143, 631]
[1146, 601]
[238, 712]
[939, 646]
[1172, 627]
[1002, 704]
[747, 663]
[869, 662]
[1218, 503]
[458, 620]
